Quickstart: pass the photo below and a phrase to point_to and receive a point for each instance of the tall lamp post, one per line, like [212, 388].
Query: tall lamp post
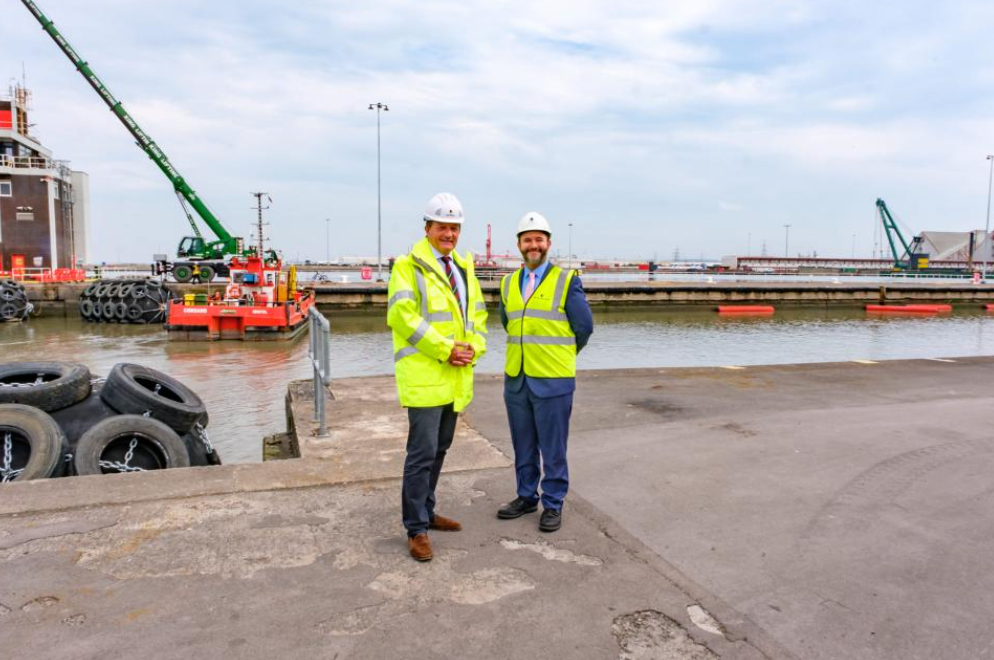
[786, 241]
[987, 227]
[379, 205]
[570, 246]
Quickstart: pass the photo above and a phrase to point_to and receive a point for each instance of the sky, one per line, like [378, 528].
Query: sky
[652, 128]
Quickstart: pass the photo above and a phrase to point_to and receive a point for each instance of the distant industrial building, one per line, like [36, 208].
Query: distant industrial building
[963, 246]
[44, 205]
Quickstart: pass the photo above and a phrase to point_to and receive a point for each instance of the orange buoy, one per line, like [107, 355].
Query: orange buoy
[745, 309]
[989, 308]
[909, 309]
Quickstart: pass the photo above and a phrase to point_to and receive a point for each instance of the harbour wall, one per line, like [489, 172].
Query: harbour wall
[61, 299]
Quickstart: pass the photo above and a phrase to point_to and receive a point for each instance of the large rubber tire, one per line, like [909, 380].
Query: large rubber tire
[37, 443]
[86, 309]
[90, 290]
[9, 311]
[158, 446]
[77, 419]
[206, 274]
[182, 273]
[62, 384]
[131, 389]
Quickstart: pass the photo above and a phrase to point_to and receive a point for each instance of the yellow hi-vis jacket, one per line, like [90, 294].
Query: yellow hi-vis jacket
[539, 337]
[426, 321]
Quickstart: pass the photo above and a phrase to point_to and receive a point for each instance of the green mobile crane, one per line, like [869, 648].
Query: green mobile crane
[203, 259]
[912, 258]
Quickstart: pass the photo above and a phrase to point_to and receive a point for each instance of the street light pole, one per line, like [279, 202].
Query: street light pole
[987, 227]
[379, 204]
[570, 246]
[786, 241]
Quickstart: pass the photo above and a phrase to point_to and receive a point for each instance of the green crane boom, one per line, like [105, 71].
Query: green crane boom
[194, 246]
[890, 228]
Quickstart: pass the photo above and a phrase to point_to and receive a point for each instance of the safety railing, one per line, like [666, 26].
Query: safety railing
[31, 162]
[318, 351]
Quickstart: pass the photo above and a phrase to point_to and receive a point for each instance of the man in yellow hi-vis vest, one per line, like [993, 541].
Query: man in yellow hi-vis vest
[548, 321]
[439, 322]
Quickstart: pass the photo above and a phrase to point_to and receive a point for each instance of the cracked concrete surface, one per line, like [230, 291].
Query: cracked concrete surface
[323, 572]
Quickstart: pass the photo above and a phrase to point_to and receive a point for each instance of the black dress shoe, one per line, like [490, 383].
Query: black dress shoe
[517, 508]
[551, 520]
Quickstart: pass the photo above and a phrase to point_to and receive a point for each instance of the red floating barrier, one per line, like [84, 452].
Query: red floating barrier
[909, 309]
[989, 308]
[745, 309]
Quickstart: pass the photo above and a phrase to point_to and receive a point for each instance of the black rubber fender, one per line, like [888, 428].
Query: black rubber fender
[37, 444]
[46, 385]
[157, 447]
[77, 419]
[132, 389]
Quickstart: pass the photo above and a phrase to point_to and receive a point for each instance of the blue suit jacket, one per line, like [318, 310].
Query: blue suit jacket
[581, 321]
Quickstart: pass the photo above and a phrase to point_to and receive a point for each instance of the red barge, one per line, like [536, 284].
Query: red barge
[260, 303]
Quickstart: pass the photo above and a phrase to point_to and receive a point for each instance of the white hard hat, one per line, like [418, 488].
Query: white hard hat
[532, 221]
[444, 207]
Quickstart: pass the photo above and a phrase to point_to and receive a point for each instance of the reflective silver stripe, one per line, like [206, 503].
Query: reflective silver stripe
[560, 285]
[419, 334]
[470, 327]
[403, 353]
[423, 290]
[514, 316]
[481, 305]
[535, 339]
[400, 295]
[507, 288]
[548, 315]
[437, 317]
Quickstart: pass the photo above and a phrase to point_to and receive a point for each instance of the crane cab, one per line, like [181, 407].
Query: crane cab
[191, 246]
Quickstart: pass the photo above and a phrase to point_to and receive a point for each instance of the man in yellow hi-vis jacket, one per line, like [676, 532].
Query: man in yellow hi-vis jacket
[438, 317]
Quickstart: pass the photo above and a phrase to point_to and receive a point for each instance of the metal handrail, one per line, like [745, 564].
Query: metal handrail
[32, 162]
[318, 351]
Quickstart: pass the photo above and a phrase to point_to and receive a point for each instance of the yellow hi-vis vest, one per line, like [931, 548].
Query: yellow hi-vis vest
[539, 338]
[426, 321]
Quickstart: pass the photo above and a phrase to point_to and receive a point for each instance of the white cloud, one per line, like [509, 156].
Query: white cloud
[588, 109]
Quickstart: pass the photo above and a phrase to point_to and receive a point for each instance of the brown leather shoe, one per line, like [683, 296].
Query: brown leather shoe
[420, 547]
[443, 524]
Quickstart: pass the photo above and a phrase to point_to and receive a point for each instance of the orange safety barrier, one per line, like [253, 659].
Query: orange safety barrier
[909, 309]
[745, 309]
[989, 308]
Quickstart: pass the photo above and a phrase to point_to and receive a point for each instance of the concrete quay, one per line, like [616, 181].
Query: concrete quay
[798, 511]
[61, 299]
[687, 294]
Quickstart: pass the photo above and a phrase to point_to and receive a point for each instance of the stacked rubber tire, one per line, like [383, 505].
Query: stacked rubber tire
[125, 301]
[55, 420]
[14, 305]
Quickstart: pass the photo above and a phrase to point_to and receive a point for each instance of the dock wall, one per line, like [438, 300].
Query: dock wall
[61, 299]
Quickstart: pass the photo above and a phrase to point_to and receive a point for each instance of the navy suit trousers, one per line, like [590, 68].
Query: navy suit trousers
[429, 436]
[539, 430]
